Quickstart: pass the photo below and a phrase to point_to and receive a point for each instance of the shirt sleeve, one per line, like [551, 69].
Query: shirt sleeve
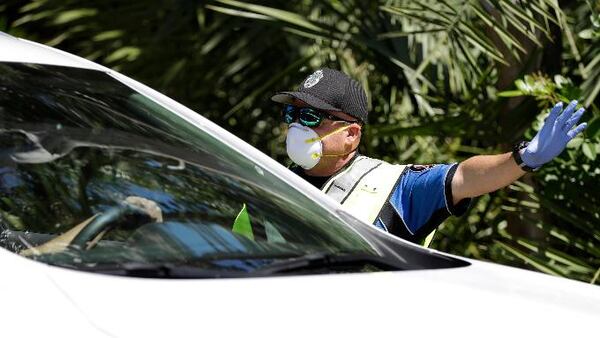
[423, 198]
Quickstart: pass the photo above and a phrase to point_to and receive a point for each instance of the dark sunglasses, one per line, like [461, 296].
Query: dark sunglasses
[308, 116]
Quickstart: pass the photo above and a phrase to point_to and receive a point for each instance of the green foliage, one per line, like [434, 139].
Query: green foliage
[445, 79]
[564, 193]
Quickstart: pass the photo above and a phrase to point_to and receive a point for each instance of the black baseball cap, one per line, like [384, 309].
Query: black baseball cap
[329, 89]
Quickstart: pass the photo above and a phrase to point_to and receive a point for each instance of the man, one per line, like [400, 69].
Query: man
[325, 118]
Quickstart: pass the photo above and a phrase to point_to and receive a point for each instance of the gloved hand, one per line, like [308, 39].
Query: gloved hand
[554, 135]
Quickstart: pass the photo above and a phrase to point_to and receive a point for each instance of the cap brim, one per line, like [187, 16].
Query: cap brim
[311, 100]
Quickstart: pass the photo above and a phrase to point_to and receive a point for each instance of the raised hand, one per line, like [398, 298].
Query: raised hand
[554, 135]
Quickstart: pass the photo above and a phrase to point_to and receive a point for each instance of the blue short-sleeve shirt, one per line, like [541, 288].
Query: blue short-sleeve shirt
[421, 201]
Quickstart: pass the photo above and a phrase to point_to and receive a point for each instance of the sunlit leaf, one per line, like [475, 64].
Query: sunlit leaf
[73, 15]
[534, 262]
[235, 12]
[108, 35]
[282, 15]
[589, 150]
[127, 53]
[510, 93]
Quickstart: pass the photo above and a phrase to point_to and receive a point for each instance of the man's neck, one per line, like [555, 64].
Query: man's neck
[330, 166]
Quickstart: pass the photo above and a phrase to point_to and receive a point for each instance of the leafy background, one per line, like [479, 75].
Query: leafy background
[446, 80]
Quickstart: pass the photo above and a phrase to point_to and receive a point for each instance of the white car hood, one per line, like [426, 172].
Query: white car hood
[480, 299]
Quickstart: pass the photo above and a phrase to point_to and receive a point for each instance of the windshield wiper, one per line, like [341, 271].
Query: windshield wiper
[163, 270]
[329, 263]
[320, 262]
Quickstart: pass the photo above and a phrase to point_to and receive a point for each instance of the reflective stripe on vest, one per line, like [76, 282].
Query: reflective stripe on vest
[363, 188]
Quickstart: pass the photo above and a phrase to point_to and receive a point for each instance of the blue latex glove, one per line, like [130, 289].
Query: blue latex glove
[554, 135]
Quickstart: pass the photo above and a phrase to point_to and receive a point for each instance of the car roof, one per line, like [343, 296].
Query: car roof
[13, 49]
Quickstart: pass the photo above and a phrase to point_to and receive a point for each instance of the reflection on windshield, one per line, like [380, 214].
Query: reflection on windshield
[93, 173]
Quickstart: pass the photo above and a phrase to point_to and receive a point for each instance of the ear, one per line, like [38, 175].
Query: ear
[354, 132]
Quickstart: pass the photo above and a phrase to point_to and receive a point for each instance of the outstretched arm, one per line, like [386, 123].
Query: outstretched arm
[480, 175]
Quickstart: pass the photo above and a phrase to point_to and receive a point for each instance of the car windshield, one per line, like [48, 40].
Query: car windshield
[93, 173]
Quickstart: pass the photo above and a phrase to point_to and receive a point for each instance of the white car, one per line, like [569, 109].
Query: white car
[125, 214]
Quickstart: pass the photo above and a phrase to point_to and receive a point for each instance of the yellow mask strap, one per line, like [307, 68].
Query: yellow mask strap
[337, 155]
[319, 138]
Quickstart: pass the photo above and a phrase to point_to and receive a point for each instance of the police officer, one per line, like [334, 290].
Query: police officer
[325, 117]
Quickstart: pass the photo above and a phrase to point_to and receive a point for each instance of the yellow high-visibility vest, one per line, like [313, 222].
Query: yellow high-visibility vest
[364, 186]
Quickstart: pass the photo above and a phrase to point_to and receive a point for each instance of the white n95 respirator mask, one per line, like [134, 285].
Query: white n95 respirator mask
[304, 145]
